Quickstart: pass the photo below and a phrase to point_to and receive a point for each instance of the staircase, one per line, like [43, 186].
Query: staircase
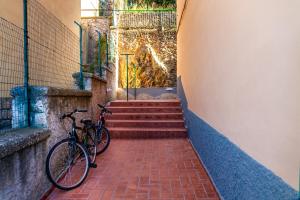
[146, 119]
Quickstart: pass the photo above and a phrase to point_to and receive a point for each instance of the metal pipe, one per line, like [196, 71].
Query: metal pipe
[99, 52]
[134, 81]
[26, 71]
[127, 75]
[81, 86]
[127, 63]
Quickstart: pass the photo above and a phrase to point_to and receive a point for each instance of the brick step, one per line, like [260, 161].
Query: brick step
[141, 133]
[145, 123]
[146, 103]
[144, 116]
[145, 109]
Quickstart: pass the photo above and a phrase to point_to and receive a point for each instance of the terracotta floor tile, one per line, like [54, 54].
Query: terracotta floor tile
[145, 169]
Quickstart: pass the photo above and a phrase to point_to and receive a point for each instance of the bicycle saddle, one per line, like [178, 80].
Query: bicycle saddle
[86, 121]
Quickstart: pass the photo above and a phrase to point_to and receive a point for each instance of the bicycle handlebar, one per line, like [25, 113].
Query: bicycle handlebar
[104, 109]
[69, 115]
[82, 110]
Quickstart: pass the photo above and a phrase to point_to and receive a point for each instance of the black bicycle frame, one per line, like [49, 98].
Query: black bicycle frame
[100, 125]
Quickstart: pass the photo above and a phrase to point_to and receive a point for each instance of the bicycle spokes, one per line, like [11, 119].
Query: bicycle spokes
[68, 164]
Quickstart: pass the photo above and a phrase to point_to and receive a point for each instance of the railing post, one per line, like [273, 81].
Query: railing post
[127, 75]
[127, 82]
[134, 81]
[81, 86]
[26, 71]
[99, 52]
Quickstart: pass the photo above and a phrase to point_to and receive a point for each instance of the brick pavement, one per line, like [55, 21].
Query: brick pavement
[145, 169]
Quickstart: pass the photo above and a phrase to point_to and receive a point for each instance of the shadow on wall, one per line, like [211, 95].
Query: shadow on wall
[181, 94]
[235, 174]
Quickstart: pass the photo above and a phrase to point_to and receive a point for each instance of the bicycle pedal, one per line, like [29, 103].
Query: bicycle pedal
[93, 165]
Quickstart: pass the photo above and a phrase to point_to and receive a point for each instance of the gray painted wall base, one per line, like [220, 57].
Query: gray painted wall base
[235, 174]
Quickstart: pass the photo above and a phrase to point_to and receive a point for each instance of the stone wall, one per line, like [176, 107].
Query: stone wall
[151, 38]
[90, 37]
[23, 152]
[147, 20]
[154, 57]
[22, 164]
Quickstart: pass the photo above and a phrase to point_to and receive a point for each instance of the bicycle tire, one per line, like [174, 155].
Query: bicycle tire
[91, 145]
[105, 146]
[63, 174]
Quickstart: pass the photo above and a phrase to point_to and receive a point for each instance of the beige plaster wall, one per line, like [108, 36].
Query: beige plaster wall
[66, 11]
[12, 11]
[46, 67]
[239, 62]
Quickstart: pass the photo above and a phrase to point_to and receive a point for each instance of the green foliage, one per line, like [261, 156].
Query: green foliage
[151, 3]
[94, 66]
[103, 7]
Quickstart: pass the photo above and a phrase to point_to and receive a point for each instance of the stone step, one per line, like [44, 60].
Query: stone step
[146, 103]
[176, 109]
[144, 116]
[143, 133]
[146, 119]
[145, 123]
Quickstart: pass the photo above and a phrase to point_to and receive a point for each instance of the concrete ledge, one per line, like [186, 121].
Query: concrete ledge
[99, 79]
[68, 92]
[50, 91]
[17, 140]
[87, 79]
[108, 69]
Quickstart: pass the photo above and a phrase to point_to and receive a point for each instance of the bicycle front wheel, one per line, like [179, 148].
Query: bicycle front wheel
[67, 164]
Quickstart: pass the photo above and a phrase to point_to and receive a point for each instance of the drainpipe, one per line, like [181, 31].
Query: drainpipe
[26, 72]
[81, 86]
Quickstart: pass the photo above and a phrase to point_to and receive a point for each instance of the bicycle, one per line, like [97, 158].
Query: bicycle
[102, 133]
[68, 161]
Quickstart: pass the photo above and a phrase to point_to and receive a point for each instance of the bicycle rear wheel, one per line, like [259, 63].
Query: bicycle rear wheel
[102, 140]
[91, 144]
[67, 164]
